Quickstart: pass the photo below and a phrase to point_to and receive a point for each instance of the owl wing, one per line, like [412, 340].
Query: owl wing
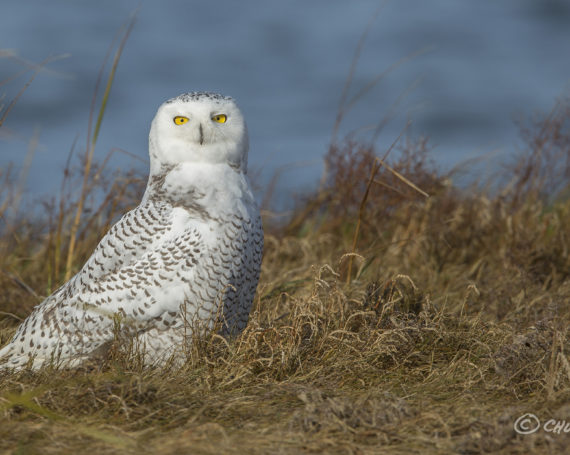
[247, 238]
[145, 291]
[134, 234]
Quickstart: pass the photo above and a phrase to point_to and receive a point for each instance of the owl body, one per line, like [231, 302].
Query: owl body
[187, 257]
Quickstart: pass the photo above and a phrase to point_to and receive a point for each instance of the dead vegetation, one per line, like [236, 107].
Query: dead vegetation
[429, 329]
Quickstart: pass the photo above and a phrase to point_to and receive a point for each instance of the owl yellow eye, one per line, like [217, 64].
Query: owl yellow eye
[220, 118]
[179, 120]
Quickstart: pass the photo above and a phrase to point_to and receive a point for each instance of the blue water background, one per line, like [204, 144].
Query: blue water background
[481, 65]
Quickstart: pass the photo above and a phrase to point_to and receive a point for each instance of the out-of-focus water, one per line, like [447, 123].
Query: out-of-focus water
[286, 63]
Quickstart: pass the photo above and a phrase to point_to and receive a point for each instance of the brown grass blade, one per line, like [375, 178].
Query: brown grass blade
[402, 178]
[90, 150]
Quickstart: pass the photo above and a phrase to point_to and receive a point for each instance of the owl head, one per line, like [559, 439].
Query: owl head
[198, 127]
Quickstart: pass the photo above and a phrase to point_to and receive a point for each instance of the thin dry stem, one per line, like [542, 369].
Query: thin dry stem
[89, 154]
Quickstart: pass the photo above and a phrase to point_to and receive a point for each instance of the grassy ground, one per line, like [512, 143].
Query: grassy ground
[385, 321]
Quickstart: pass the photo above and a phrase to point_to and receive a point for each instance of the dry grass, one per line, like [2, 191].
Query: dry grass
[454, 322]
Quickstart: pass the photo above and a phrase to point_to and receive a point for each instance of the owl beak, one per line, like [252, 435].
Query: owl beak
[201, 135]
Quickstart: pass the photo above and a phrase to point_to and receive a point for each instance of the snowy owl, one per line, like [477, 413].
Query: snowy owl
[189, 255]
